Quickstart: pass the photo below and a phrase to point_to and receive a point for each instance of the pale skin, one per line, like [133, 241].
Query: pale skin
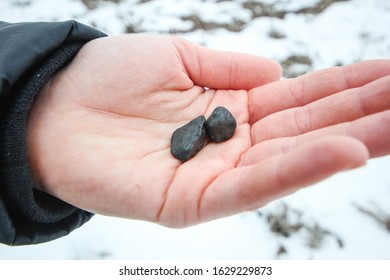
[99, 132]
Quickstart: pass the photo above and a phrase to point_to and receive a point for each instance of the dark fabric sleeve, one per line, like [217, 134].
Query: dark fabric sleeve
[30, 53]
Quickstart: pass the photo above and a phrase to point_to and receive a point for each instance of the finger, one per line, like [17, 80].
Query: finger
[342, 107]
[313, 86]
[373, 131]
[225, 70]
[250, 187]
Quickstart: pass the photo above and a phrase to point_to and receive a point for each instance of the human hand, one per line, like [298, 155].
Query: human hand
[99, 133]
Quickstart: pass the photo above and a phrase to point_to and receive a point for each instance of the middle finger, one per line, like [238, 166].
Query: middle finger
[372, 130]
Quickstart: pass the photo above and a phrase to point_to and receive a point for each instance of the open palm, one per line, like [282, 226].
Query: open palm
[99, 133]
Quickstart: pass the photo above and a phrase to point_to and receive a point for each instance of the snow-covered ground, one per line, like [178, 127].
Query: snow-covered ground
[335, 219]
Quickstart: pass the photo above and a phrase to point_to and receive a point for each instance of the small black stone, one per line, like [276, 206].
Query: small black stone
[220, 125]
[187, 140]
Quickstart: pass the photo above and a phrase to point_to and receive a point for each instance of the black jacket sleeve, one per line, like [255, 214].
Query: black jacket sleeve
[30, 53]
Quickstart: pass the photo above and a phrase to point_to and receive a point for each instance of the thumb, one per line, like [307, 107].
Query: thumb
[225, 70]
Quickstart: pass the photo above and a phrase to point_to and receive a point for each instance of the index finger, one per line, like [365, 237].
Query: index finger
[300, 91]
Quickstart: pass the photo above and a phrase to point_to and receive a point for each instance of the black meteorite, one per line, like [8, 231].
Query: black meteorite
[220, 125]
[187, 140]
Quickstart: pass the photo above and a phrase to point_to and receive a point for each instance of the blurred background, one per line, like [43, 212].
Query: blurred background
[344, 217]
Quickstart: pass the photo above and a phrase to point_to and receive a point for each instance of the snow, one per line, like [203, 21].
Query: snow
[345, 32]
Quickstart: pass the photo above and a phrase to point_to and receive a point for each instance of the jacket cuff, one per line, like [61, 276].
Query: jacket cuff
[33, 216]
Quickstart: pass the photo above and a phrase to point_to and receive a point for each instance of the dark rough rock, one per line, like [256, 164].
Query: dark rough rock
[187, 140]
[220, 125]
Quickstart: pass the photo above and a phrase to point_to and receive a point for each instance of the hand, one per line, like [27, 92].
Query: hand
[99, 132]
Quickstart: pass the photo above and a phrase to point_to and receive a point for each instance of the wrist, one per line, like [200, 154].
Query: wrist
[35, 135]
